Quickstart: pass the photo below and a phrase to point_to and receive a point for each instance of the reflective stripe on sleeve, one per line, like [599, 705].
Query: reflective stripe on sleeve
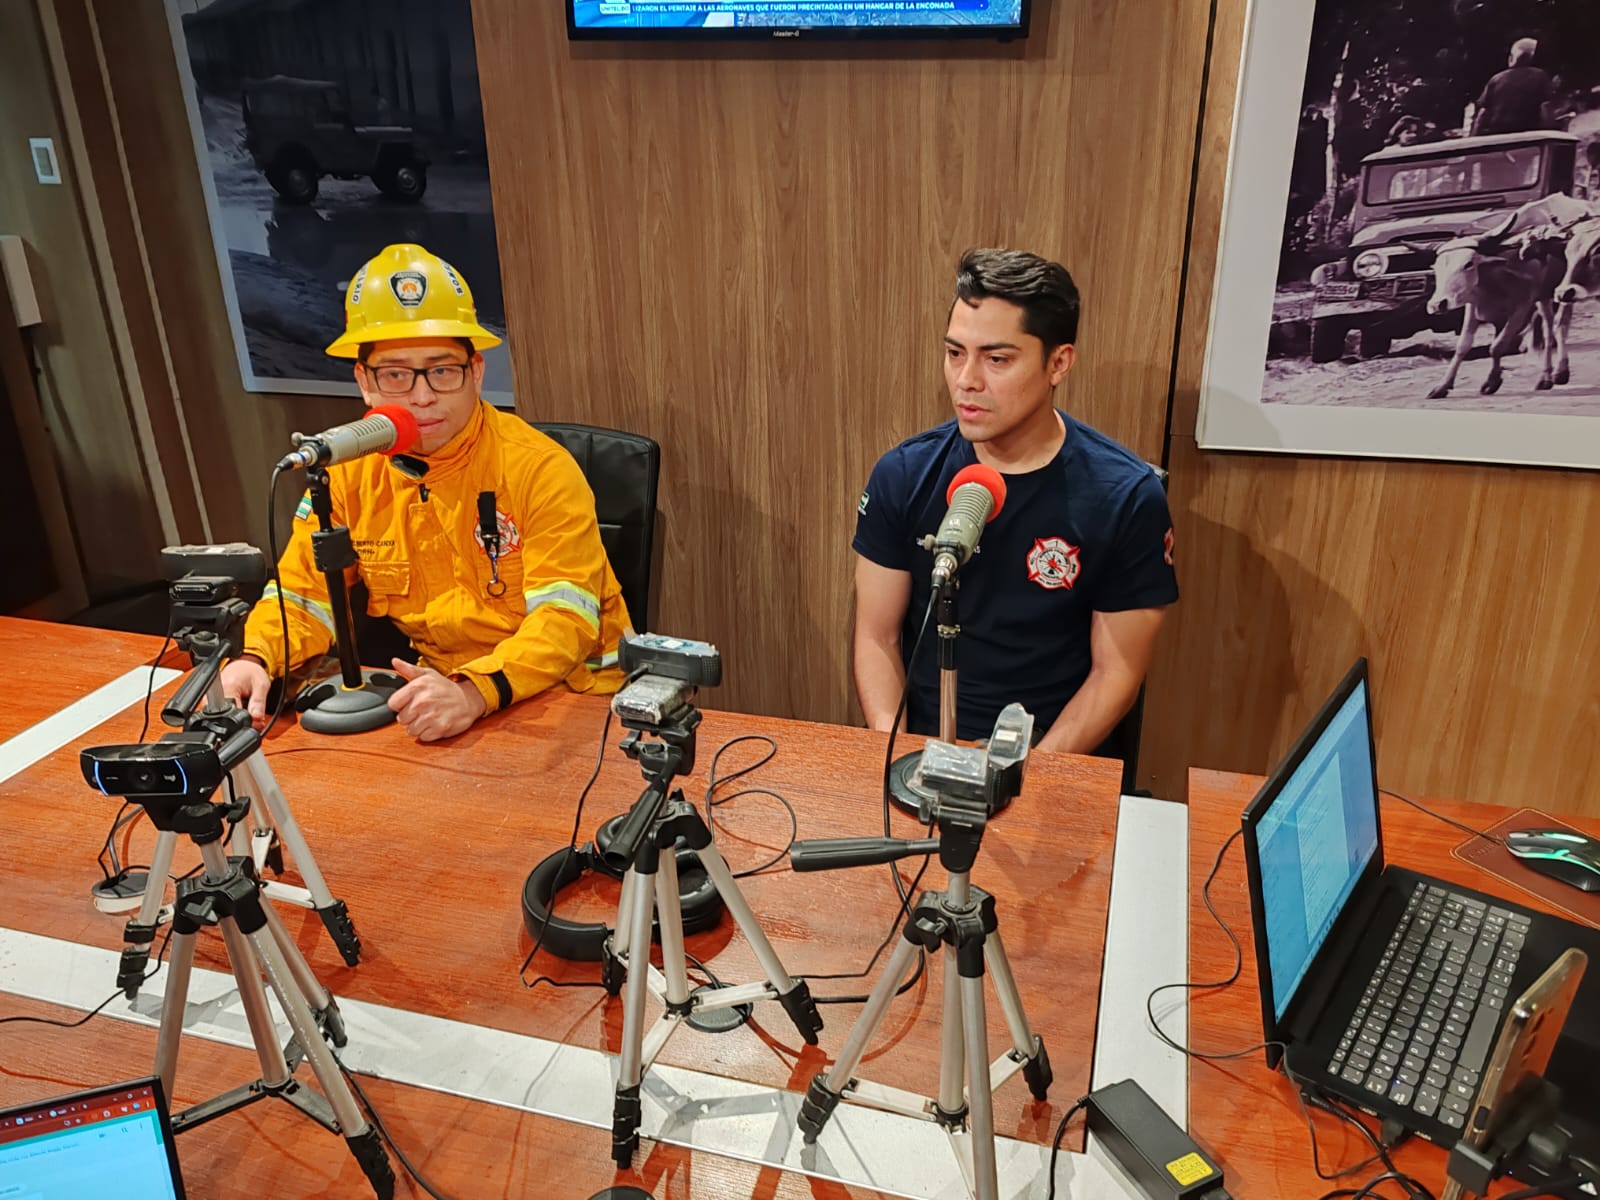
[316, 608]
[565, 595]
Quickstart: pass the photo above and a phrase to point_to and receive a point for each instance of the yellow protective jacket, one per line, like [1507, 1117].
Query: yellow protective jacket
[561, 614]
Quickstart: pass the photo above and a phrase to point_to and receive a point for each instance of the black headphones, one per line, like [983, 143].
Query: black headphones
[579, 941]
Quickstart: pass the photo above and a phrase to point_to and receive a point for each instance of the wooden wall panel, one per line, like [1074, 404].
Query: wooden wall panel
[1471, 588]
[80, 381]
[235, 435]
[747, 254]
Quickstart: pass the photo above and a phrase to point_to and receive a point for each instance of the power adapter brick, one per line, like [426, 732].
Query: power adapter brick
[1161, 1158]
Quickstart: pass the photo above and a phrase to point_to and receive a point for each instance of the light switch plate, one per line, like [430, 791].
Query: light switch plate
[45, 164]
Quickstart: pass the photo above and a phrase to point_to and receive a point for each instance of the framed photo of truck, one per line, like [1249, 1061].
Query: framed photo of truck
[1412, 202]
[322, 133]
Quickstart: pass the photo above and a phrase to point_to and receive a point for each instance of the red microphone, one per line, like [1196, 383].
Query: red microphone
[387, 429]
[976, 496]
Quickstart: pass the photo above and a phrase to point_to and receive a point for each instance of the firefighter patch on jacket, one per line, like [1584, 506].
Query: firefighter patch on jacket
[409, 287]
[510, 536]
[1052, 563]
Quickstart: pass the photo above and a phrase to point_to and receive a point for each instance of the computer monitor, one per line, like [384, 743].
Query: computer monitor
[788, 20]
[1316, 836]
[107, 1141]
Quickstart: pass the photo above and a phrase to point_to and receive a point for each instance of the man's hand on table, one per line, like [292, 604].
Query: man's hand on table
[245, 681]
[431, 707]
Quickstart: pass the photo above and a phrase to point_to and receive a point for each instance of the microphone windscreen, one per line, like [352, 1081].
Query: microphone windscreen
[405, 426]
[987, 478]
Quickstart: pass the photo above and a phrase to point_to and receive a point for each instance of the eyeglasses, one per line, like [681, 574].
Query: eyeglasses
[441, 377]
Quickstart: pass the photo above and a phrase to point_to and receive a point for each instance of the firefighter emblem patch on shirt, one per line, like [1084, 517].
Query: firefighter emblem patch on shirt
[1053, 563]
[510, 536]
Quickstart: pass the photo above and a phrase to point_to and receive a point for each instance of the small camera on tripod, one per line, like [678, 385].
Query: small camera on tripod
[179, 765]
[175, 778]
[968, 776]
[211, 589]
[674, 668]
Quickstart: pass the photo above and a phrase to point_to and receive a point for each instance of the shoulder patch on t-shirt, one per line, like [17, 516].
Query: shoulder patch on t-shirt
[1166, 546]
[861, 505]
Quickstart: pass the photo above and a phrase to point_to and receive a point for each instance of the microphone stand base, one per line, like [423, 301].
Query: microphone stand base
[907, 794]
[330, 707]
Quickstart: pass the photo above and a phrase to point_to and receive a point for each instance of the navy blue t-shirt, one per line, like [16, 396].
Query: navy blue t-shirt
[1088, 532]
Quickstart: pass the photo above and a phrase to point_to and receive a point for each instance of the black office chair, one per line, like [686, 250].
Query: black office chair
[623, 470]
[1123, 740]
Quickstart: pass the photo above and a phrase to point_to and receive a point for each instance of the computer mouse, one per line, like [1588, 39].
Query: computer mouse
[1569, 857]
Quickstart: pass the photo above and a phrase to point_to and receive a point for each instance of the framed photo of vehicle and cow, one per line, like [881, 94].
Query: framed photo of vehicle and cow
[1409, 263]
[325, 132]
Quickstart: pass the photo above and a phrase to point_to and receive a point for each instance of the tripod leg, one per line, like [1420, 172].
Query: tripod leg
[335, 917]
[253, 996]
[952, 1108]
[669, 914]
[253, 829]
[1027, 1046]
[614, 950]
[626, 1114]
[793, 994]
[321, 1002]
[361, 1137]
[173, 1003]
[980, 1100]
[140, 932]
[822, 1097]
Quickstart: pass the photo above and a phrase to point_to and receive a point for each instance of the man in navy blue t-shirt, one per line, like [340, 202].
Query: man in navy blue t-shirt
[1060, 606]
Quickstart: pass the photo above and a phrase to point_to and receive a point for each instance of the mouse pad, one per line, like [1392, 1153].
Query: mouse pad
[1499, 862]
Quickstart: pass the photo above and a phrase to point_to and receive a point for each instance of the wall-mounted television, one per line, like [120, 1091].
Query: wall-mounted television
[686, 19]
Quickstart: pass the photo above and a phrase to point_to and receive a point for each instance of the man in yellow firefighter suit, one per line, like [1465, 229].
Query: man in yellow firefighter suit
[547, 613]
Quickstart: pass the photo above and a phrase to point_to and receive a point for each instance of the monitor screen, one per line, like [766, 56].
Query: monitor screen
[796, 18]
[114, 1141]
[1314, 840]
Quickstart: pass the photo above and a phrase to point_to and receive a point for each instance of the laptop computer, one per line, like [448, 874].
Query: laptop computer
[107, 1141]
[1386, 987]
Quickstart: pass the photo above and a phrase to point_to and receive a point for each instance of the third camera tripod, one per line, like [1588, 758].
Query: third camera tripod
[646, 840]
[967, 785]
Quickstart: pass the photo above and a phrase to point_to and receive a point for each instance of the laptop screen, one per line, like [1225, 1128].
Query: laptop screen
[1314, 839]
[113, 1141]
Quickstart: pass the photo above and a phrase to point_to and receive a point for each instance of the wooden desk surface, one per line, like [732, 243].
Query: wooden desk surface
[430, 845]
[47, 669]
[1240, 1111]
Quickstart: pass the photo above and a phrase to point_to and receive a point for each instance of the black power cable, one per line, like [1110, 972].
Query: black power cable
[572, 849]
[904, 893]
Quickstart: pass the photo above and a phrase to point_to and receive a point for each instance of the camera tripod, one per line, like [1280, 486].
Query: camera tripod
[271, 822]
[963, 918]
[646, 842]
[228, 894]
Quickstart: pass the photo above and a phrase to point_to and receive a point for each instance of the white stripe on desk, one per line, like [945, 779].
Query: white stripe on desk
[859, 1147]
[1147, 944]
[20, 752]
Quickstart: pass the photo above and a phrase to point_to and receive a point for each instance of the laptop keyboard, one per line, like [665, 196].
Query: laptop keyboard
[1425, 1025]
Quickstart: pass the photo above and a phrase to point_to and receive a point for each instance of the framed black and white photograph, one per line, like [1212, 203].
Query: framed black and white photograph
[325, 132]
[1409, 263]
